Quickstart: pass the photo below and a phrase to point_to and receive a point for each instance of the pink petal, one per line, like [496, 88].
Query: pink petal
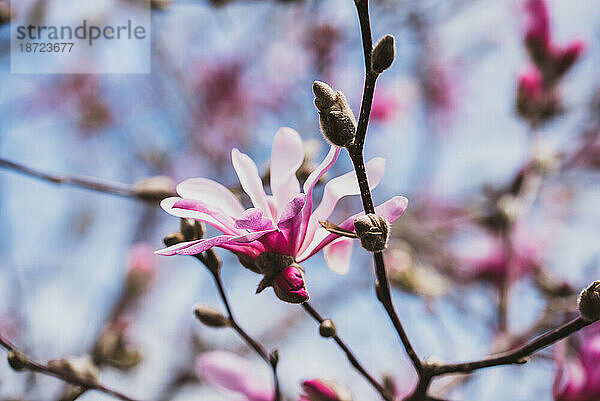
[254, 220]
[309, 185]
[231, 372]
[392, 209]
[337, 188]
[346, 185]
[199, 246]
[337, 255]
[291, 221]
[193, 209]
[211, 193]
[250, 180]
[286, 157]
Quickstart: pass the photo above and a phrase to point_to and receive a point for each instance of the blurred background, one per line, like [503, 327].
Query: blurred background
[495, 143]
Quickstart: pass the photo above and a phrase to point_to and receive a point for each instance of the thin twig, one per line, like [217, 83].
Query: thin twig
[517, 355]
[260, 350]
[32, 366]
[355, 363]
[356, 154]
[93, 184]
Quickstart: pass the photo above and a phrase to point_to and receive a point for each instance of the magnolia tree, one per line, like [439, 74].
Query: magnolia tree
[278, 218]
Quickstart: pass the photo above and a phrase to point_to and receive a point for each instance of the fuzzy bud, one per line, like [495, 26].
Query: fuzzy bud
[289, 285]
[81, 368]
[173, 239]
[17, 360]
[337, 121]
[210, 317]
[191, 229]
[384, 54]
[154, 189]
[373, 232]
[322, 390]
[589, 302]
[327, 328]
[271, 263]
[568, 57]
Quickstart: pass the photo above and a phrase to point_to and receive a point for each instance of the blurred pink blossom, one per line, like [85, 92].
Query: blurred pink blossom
[320, 390]
[537, 30]
[141, 257]
[578, 377]
[385, 106]
[284, 222]
[229, 371]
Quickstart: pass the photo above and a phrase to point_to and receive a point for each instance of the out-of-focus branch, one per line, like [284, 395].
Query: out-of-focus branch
[20, 361]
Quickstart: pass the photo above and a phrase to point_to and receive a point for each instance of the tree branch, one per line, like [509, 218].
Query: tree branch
[32, 366]
[355, 363]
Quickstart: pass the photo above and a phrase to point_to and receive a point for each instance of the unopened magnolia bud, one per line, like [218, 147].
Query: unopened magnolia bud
[384, 54]
[191, 229]
[327, 328]
[589, 302]
[17, 360]
[82, 368]
[289, 285]
[212, 260]
[173, 239]
[154, 188]
[373, 232]
[324, 390]
[337, 121]
[210, 317]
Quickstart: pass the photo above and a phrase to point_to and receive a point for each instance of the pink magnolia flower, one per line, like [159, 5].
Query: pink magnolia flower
[229, 371]
[578, 378]
[282, 223]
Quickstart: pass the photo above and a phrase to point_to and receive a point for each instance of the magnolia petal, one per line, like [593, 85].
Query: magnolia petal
[291, 221]
[309, 185]
[253, 219]
[337, 255]
[199, 246]
[229, 371]
[287, 155]
[346, 185]
[339, 187]
[172, 250]
[211, 193]
[193, 209]
[247, 173]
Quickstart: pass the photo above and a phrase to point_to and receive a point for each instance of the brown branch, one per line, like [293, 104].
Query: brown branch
[353, 361]
[517, 355]
[32, 366]
[93, 184]
[356, 154]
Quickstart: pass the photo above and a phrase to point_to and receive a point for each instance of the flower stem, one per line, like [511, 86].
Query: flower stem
[355, 363]
[33, 366]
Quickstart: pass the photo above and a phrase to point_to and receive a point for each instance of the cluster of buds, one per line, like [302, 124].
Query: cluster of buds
[322, 390]
[537, 94]
[283, 274]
